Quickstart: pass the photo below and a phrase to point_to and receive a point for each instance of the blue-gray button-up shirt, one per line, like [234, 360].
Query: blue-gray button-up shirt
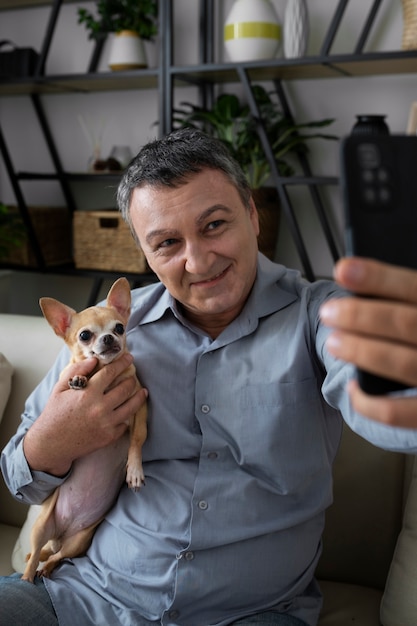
[243, 431]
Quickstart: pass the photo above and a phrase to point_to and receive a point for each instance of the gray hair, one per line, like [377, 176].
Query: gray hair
[171, 160]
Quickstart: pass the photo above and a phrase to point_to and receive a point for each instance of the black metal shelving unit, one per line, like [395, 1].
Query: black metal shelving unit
[206, 74]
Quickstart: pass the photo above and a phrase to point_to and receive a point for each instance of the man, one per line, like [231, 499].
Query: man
[244, 422]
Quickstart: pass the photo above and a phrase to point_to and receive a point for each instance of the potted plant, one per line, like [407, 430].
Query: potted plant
[11, 231]
[231, 121]
[132, 21]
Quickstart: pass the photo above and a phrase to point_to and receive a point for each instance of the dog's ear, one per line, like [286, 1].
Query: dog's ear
[58, 315]
[119, 297]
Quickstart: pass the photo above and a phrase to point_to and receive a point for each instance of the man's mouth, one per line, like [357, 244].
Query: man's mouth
[213, 279]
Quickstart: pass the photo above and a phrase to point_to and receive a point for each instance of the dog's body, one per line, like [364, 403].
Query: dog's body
[69, 516]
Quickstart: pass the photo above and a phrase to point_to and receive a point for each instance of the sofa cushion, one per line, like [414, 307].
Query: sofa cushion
[399, 603]
[345, 604]
[6, 371]
[8, 536]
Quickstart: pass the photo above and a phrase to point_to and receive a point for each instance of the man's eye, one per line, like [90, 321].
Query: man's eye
[85, 335]
[119, 329]
[167, 243]
[215, 224]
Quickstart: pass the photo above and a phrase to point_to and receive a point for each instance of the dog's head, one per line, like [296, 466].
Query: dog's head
[96, 331]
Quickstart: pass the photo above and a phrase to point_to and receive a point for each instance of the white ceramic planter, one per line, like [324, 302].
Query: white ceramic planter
[127, 51]
[252, 31]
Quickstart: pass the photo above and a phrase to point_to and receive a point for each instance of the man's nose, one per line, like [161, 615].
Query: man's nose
[197, 258]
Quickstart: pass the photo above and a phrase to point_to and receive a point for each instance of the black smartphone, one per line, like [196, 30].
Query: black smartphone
[379, 187]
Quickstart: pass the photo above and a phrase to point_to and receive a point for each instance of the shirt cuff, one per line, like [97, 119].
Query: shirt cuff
[31, 486]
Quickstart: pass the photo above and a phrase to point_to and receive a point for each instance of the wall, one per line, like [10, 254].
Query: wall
[129, 117]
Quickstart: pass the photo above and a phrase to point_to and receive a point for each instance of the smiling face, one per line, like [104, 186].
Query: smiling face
[201, 241]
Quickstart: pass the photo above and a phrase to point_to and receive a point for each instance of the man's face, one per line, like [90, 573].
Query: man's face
[201, 241]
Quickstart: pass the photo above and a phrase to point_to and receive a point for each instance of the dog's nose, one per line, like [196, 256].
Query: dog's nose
[108, 340]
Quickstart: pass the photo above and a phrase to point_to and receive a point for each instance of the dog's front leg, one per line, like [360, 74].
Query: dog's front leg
[135, 477]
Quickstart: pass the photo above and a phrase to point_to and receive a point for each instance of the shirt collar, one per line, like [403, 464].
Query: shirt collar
[269, 294]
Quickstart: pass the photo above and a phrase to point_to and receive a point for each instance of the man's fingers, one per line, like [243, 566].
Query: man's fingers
[372, 317]
[106, 375]
[388, 410]
[395, 361]
[366, 276]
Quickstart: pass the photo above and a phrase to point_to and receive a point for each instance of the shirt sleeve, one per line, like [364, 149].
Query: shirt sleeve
[337, 376]
[29, 486]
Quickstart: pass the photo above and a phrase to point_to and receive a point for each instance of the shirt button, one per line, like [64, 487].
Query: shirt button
[19, 495]
[205, 408]
[203, 505]
[189, 556]
[174, 614]
[212, 455]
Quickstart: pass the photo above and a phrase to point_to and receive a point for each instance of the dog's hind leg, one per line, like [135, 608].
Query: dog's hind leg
[75, 545]
[42, 531]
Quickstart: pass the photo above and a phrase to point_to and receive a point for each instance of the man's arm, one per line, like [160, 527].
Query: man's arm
[72, 424]
[377, 334]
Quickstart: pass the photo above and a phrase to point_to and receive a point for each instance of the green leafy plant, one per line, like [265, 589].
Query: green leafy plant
[12, 232]
[117, 15]
[232, 122]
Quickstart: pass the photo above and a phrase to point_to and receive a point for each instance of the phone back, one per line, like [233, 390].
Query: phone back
[379, 186]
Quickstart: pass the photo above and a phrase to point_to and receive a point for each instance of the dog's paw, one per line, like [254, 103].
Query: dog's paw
[135, 478]
[78, 382]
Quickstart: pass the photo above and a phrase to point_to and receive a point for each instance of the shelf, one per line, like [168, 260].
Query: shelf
[80, 83]
[332, 66]
[72, 176]
[10, 5]
[115, 177]
[71, 270]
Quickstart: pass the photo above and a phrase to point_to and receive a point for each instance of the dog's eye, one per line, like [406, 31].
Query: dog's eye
[85, 335]
[119, 329]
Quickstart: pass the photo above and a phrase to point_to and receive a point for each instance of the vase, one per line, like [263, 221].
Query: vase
[370, 125]
[296, 29]
[252, 31]
[127, 51]
[409, 35]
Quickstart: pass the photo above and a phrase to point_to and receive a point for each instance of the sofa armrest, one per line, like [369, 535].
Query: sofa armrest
[31, 346]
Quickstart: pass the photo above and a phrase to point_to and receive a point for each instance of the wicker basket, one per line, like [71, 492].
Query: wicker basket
[52, 226]
[409, 37]
[103, 241]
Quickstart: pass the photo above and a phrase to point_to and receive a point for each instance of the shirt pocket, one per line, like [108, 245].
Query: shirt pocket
[280, 436]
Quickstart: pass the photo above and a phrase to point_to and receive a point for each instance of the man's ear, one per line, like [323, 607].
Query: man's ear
[254, 216]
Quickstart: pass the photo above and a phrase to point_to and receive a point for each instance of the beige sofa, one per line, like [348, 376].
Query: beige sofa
[365, 526]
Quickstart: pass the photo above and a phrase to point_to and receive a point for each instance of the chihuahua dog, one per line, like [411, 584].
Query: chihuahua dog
[70, 515]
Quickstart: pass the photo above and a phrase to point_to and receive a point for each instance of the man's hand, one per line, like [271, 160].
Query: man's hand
[378, 335]
[77, 422]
